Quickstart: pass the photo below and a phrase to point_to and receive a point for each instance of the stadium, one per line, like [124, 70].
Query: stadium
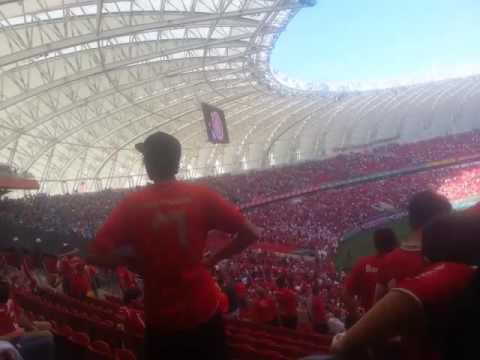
[292, 182]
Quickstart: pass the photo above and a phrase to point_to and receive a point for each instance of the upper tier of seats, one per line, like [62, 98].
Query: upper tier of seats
[82, 214]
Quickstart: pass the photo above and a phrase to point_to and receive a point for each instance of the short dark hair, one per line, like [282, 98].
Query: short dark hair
[161, 154]
[424, 206]
[4, 291]
[385, 240]
[452, 238]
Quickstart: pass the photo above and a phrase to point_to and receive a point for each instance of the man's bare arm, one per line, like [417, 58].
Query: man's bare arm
[246, 237]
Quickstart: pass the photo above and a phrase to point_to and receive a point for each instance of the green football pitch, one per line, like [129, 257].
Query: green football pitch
[360, 244]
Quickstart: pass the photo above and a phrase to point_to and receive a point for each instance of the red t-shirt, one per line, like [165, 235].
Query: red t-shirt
[80, 285]
[318, 310]
[241, 290]
[362, 279]
[264, 310]
[400, 264]
[126, 278]
[434, 289]
[166, 224]
[438, 285]
[287, 302]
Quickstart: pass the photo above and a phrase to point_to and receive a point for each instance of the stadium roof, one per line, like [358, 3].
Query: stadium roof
[82, 81]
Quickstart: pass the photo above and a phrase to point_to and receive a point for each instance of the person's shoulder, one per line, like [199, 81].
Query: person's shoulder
[446, 269]
[197, 188]
[401, 254]
[135, 196]
[438, 283]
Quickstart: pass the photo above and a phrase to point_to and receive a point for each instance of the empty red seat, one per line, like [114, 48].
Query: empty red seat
[123, 354]
[63, 330]
[80, 338]
[99, 350]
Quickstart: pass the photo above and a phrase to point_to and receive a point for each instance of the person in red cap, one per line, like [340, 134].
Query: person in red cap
[164, 227]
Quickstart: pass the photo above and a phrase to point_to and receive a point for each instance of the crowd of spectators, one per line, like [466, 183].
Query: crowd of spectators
[82, 214]
[317, 222]
[255, 185]
[258, 294]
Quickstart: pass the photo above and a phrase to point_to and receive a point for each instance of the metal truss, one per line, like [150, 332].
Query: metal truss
[82, 80]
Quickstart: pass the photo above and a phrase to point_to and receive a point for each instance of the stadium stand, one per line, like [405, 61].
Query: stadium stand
[293, 222]
[82, 81]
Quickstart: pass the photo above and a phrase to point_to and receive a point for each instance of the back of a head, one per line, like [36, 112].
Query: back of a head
[453, 238]
[4, 291]
[385, 240]
[425, 206]
[161, 153]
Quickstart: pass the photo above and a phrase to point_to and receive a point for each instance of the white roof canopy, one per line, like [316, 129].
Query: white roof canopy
[82, 81]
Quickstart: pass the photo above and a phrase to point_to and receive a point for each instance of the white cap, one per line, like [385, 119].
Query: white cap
[38, 240]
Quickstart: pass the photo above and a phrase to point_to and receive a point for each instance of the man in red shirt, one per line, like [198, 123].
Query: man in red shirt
[407, 310]
[407, 261]
[126, 279]
[287, 304]
[80, 282]
[264, 310]
[361, 281]
[165, 226]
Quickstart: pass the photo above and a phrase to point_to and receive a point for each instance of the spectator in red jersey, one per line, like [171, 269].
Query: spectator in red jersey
[407, 261]
[66, 266]
[80, 282]
[126, 279]
[361, 282]
[166, 225]
[287, 304]
[439, 307]
[241, 291]
[264, 309]
[317, 311]
[223, 304]
[454, 239]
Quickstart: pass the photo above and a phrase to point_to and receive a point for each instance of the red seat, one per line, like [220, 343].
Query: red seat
[77, 346]
[123, 354]
[99, 350]
[63, 330]
[80, 338]
[62, 345]
[100, 346]
[106, 331]
[270, 355]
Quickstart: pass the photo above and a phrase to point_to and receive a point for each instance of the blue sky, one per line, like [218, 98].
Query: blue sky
[374, 40]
